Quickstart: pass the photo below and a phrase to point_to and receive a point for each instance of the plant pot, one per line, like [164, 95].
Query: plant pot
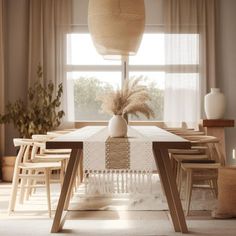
[8, 164]
[117, 127]
[214, 104]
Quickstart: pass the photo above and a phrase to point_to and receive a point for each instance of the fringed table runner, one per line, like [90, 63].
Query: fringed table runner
[118, 165]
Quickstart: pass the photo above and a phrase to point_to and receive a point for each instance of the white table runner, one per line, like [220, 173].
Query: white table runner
[138, 177]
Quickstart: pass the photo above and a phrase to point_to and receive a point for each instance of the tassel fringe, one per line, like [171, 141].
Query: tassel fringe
[119, 182]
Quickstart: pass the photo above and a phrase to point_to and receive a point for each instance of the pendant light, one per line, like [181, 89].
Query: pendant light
[116, 26]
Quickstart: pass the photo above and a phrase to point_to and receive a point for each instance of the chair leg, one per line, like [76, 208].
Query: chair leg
[215, 187]
[62, 172]
[29, 183]
[188, 191]
[180, 180]
[33, 190]
[211, 187]
[174, 166]
[47, 182]
[22, 187]
[81, 174]
[15, 183]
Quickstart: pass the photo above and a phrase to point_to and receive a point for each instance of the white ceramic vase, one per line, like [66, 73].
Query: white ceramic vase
[214, 104]
[117, 126]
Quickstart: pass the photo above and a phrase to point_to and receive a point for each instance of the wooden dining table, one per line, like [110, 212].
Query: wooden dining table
[161, 141]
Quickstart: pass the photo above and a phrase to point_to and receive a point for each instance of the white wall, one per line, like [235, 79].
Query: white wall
[16, 61]
[226, 65]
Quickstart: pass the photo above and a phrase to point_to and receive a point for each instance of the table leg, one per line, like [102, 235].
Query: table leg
[66, 190]
[73, 179]
[170, 188]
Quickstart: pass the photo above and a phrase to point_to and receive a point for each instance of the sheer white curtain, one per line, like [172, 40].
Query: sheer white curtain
[2, 75]
[181, 100]
[190, 58]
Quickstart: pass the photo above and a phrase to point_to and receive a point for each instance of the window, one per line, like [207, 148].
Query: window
[88, 74]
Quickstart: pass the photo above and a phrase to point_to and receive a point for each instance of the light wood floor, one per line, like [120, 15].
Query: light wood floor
[32, 219]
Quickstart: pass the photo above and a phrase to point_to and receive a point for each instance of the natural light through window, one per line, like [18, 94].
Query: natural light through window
[81, 51]
[88, 74]
[151, 51]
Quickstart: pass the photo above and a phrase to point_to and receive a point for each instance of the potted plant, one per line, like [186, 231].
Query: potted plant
[42, 112]
[132, 99]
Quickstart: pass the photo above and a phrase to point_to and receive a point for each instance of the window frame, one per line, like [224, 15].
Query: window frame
[125, 68]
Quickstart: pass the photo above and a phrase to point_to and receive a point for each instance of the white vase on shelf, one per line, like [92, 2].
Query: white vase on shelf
[214, 104]
[117, 126]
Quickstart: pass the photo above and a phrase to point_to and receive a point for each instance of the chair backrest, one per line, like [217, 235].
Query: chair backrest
[212, 143]
[24, 153]
[190, 133]
[40, 140]
[202, 139]
[40, 137]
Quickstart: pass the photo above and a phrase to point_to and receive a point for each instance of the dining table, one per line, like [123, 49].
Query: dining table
[161, 141]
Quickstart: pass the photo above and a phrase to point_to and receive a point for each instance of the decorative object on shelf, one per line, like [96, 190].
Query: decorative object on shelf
[116, 26]
[132, 99]
[41, 112]
[214, 104]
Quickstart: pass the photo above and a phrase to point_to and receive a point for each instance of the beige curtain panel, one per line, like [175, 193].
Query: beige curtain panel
[196, 16]
[190, 57]
[2, 77]
[49, 21]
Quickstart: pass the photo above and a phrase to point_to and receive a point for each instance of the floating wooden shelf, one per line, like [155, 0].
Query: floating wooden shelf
[218, 123]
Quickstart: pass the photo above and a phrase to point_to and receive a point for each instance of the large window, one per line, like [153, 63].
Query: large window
[88, 74]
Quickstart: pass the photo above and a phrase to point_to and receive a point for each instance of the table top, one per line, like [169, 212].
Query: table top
[75, 139]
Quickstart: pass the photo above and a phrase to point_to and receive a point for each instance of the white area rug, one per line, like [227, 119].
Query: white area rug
[201, 200]
[37, 204]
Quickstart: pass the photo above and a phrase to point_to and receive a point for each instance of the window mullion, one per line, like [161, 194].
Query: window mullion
[167, 68]
[125, 69]
[92, 68]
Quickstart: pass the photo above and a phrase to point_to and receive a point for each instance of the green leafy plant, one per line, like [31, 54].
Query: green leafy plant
[41, 114]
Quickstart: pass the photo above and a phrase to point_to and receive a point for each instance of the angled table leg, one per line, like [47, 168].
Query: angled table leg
[73, 179]
[66, 190]
[170, 188]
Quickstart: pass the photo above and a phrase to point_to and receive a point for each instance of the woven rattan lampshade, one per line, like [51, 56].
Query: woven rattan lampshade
[116, 26]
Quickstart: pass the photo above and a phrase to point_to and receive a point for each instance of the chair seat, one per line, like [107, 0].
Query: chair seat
[50, 157]
[206, 174]
[199, 161]
[190, 157]
[57, 151]
[39, 165]
[183, 151]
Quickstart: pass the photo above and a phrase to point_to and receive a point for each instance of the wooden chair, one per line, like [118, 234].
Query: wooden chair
[203, 170]
[61, 155]
[43, 138]
[26, 170]
[198, 151]
[177, 155]
[42, 155]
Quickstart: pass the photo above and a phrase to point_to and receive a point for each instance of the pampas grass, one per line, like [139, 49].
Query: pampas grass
[132, 99]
